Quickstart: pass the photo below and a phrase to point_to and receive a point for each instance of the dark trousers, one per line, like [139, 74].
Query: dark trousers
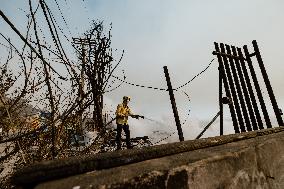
[126, 130]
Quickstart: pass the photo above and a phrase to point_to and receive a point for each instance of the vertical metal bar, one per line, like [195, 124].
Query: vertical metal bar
[249, 95]
[233, 90]
[227, 89]
[208, 125]
[240, 84]
[257, 87]
[268, 85]
[220, 101]
[173, 102]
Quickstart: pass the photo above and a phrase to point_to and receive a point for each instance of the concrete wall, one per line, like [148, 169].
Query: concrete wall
[242, 161]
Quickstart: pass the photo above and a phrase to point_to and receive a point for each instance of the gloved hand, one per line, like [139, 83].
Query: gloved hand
[135, 116]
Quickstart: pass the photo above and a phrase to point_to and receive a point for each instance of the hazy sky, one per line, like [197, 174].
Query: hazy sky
[178, 34]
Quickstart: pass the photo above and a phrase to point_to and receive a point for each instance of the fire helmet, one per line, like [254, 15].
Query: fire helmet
[126, 98]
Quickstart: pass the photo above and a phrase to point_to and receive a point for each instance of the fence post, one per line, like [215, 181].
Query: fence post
[173, 102]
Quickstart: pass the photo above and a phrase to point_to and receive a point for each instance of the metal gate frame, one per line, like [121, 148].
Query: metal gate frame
[236, 72]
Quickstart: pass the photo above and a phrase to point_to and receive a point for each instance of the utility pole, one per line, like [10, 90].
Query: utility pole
[173, 102]
[82, 42]
[95, 77]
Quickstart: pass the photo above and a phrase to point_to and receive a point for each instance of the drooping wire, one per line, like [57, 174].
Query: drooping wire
[63, 16]
[163, 89]
[196, 75]
[187, 116]
[114, 88]
[164, 138]
[57, 25]
[160, 123]
[138, 85]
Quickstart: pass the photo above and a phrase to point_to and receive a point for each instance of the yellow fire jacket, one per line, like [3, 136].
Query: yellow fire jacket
[122, 113]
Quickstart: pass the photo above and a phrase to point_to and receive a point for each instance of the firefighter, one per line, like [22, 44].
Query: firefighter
[35, 122]
[122, 113]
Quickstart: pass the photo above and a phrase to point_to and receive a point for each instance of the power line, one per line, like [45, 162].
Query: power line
[163, 89]
[196, 75]
[138, 85]
[169, 134]
[63, 16]
[61, 30]
[187, 116]
[160, 123]
[164, 138]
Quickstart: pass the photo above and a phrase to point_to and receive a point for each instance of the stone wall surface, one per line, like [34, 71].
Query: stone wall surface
[241, 161]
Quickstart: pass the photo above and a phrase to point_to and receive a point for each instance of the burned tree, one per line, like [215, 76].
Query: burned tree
[95, 52]
[43, 95]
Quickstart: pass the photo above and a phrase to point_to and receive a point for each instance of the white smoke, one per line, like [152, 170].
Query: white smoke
[162, 127]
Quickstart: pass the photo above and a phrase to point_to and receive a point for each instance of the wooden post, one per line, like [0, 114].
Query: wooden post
[172, 98]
